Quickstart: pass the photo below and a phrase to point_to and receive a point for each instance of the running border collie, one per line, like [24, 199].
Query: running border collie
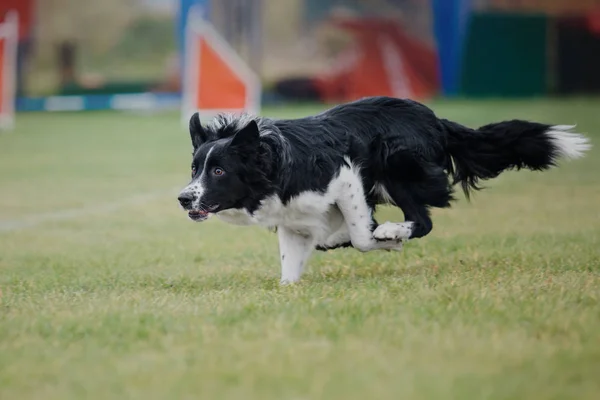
[317, 180]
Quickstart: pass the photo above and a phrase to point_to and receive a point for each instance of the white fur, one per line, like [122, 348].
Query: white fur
[342, 235]
[380, 190]
[393, 231]
[196, 186]
[294, 251]
[309, 214]
[570, 145]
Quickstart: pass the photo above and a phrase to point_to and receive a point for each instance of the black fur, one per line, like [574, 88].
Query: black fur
[397, 143]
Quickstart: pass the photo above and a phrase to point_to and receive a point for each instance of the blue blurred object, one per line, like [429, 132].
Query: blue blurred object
[184, 9]
[131, 102]
[451, 21]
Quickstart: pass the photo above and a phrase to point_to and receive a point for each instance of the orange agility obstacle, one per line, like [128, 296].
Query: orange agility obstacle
[216, 79]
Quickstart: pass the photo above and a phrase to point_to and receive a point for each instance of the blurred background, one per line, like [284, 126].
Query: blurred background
[314, 50]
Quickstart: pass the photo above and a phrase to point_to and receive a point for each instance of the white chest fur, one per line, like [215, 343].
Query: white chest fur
[310, 214]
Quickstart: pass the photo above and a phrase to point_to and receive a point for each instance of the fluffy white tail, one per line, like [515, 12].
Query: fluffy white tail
[569, 145]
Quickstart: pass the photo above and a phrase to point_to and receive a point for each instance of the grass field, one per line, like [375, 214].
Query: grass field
[108, 291]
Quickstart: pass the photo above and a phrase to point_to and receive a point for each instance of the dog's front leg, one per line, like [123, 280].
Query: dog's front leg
[294, 251]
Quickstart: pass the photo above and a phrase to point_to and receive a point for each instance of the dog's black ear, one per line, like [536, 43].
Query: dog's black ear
[197, 132]
[248, 136]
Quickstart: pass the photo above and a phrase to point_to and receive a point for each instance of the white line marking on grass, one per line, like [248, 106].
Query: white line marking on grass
[38, 219]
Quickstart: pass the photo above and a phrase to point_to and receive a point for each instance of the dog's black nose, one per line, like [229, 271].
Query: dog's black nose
[186, 199]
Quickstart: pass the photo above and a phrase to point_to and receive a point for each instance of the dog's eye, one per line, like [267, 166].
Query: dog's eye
[193, 171]
[218, 171]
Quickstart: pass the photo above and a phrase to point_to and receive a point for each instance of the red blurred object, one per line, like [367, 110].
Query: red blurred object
[593, 21]
[385, 61]
[25, 9]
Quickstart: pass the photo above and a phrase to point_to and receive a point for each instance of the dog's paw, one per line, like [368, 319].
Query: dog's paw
[393, 231]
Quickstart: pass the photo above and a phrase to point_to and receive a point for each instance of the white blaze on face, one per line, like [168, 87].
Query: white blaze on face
[196, 187]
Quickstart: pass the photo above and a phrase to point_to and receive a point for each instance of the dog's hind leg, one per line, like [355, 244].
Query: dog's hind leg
[416, 216]
[339, 239]
[335, 232]
[414, 184]
[415, 198]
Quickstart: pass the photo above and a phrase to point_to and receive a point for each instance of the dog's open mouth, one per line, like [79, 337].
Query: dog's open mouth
[201, 215]
[198, 215]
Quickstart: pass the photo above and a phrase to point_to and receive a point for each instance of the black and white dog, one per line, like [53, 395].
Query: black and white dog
[318, 179]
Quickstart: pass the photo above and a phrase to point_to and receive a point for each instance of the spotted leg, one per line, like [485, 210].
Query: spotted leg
[294, 251]
[358, 215]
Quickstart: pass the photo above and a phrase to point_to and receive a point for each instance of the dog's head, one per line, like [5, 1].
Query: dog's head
[230, 167]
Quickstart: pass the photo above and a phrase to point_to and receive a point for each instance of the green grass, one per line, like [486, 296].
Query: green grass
[501, 301]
